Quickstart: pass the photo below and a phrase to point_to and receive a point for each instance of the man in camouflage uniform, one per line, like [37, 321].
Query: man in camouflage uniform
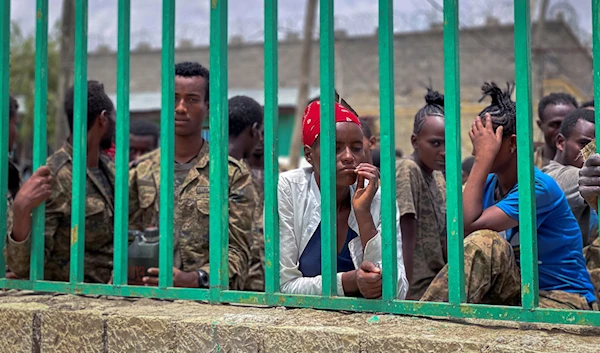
[245, 134]
[492, 276]
[191, 219]
[99, 201]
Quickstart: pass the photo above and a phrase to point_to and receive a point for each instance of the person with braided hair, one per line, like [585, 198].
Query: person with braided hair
[491, 221]
[421, 196]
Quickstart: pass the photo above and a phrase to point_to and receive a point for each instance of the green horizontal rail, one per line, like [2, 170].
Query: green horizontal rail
[219, 239]
[400, 307]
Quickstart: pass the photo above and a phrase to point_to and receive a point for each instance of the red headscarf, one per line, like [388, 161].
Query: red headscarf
[312, 118]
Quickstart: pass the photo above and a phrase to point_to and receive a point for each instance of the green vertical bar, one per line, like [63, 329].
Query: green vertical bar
[219, 132]
[388, 165]
[79, 143]
[596, 48]
[454, 213]
[122, 148]
[527, 214]
[4, 119]
[39, 134]
[327, 141]
[167, 146]
[271, 142]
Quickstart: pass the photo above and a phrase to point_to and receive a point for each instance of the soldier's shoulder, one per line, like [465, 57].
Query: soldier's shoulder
[58, 161]
[236, 167]
[147, 161]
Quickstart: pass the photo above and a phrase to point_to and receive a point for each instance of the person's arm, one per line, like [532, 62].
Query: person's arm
[589, 181]
[33, 192]
[408, 224]
[408, 192]
[241, 215]
[486, 145]
[57, 206]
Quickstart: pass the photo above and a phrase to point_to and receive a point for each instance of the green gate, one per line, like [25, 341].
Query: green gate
[218, 292]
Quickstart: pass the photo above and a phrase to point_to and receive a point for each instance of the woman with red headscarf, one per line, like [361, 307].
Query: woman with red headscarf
[358, 208]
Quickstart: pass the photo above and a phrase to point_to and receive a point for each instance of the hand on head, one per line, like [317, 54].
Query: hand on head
[486, 142]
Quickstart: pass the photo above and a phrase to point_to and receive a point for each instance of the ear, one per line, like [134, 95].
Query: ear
[373, 142]
[513, 142]
[413, 141]
[102, 120]
[561, 140]
[308, 154]
[254, 130]
[539, 123]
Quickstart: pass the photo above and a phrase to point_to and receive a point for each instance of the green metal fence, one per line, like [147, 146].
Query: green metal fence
[218, 292]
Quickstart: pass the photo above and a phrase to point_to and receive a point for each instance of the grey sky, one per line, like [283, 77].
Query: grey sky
[246, 17]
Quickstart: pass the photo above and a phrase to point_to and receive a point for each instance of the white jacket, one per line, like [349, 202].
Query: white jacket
[299, 204]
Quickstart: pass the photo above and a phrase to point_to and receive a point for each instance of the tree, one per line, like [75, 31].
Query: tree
[22, 84]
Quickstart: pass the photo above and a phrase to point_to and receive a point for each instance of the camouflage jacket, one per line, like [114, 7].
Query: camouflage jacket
[256, 273]
[98, 225]
[191, 227]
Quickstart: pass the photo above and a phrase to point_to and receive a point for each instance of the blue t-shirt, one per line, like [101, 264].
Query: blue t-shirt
[560, 255]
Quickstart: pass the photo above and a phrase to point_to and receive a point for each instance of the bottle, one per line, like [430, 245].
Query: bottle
[143, 254]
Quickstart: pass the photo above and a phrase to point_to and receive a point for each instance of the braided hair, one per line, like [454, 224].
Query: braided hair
[434, 106]
[503, 110]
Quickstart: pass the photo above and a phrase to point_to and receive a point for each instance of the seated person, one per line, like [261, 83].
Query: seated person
[421, 196]
[576, 131]
[589, 189]
[358, 215]
[491, 217]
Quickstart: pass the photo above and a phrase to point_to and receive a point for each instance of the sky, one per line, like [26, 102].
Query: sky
[246, 17]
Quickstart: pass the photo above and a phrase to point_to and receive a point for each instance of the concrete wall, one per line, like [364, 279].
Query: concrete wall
[65, 323]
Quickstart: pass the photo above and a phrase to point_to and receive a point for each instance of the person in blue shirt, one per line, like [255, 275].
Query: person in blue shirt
[491, 220]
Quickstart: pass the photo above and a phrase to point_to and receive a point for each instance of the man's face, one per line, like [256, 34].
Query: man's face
[191, 107]
[583, 133]
[550, 121]
[13, 123]
[140, 145]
